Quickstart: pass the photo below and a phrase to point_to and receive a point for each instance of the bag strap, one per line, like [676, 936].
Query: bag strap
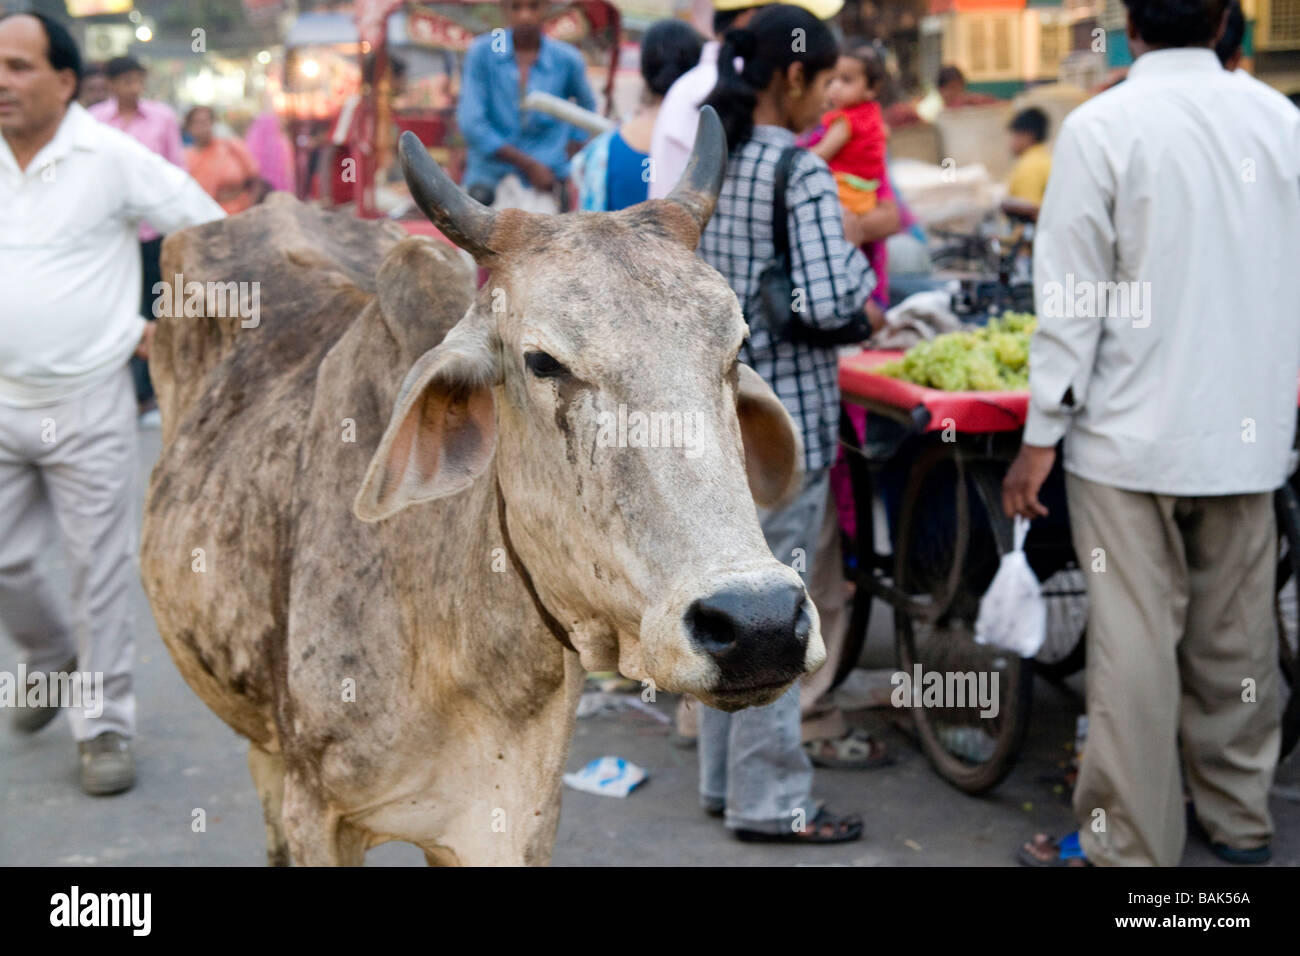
[780, 227]
[780, 217]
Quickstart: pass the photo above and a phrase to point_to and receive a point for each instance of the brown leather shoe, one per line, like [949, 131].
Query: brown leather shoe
[28, 720]
[107, 766]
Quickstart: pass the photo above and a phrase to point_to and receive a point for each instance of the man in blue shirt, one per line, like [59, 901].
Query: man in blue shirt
[504, 140]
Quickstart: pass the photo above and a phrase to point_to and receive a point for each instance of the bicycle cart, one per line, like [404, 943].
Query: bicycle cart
[931, 464]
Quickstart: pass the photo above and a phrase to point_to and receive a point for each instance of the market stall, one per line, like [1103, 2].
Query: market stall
[931, 465]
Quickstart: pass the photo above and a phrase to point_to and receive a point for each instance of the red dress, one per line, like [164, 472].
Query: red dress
[864, 154]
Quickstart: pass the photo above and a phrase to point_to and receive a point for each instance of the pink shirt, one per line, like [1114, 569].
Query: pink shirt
[270, 147]
[155, 126]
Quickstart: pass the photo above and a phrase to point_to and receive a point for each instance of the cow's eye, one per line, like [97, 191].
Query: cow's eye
[544, 366]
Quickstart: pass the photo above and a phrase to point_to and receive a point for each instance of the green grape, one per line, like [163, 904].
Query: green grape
[1011, 349]
[914, 362]
[1018, 322]
[1016, 382]
[982, 369]
[946, 367]
[994, 357]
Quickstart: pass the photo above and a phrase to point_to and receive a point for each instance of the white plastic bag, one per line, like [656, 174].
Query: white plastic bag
[1013, 614]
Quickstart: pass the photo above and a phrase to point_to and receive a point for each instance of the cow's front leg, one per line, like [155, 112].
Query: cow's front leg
[441, 856]
[268, 777]
[317, 835]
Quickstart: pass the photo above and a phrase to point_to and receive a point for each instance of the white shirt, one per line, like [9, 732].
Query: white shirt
[679, 116]
[70, 255]
[1183, 182]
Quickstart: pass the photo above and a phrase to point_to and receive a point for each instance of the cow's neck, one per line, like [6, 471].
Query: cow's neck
[549, 619]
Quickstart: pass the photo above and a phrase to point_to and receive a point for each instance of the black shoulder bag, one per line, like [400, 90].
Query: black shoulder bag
[776, 287]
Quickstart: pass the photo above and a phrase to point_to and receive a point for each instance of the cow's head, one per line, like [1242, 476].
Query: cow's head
[599, 364]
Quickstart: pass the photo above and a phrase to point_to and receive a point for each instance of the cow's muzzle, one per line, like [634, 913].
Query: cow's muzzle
[739, 641]
[758, 639]
[758, 631]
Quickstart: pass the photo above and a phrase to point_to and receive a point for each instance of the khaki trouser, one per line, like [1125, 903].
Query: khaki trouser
[1182, 652]
[73, 465]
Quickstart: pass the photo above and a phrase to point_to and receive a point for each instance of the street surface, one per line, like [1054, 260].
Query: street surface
[187, 759]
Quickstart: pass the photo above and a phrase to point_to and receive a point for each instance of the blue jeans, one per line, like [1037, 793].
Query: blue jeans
[752, 762]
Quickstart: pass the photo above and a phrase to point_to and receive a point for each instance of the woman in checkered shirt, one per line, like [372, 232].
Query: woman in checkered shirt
[772, 79]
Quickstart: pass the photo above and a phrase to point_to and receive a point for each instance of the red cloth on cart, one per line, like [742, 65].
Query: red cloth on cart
[966, 411]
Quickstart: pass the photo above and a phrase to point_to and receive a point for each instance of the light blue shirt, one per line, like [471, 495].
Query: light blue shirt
[489, 115]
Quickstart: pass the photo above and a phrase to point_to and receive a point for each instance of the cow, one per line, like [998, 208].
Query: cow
[384, 539]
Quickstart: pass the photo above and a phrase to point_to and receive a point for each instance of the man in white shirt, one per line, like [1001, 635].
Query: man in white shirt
[674, 132]
[73, 193]
[1167, 356]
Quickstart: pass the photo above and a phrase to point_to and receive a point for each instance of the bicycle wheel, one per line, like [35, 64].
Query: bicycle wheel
[1064, 650]
[947, 553]
[1287, 507]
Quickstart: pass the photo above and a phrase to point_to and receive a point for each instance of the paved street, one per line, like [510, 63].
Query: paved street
[188, 759]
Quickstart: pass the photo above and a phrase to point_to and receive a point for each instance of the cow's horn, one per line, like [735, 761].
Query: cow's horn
[697, 190]
[462, 220]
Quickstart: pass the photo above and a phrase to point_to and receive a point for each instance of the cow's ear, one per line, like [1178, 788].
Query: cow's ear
[773, 449]
[443, 429]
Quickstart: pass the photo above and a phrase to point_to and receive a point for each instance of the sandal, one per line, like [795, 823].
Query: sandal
[825, 827]
[1044, 851]
[856, 750]
[1252, 855]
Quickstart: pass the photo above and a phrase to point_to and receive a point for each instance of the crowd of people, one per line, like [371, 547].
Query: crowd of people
[1134, 190]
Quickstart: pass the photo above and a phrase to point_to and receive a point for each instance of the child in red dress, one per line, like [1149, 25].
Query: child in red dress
[854, 143]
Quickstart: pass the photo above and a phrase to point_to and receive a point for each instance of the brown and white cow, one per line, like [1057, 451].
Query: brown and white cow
[397, 611]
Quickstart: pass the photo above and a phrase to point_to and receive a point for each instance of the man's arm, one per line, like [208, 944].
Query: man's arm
[1074, 243]
[538, 174]
[159, 193]
[580, 92]
[1075, 240]
[471, 108]
[579, 88]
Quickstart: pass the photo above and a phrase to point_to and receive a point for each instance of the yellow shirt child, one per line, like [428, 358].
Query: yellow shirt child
[1028, 178]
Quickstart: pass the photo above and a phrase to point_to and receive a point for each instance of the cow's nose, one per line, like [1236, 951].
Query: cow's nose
[757, 637]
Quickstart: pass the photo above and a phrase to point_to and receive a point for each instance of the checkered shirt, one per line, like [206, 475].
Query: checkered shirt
[833, 275]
